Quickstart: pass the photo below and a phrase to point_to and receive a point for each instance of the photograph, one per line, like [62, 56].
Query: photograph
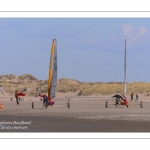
[74, 75]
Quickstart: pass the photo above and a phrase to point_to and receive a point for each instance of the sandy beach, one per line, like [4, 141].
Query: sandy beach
[86, 114]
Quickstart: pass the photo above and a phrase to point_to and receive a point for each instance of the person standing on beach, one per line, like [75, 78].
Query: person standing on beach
[118, 97]
[17, 97]
[131, 96]
[45, 101]
[136, 98]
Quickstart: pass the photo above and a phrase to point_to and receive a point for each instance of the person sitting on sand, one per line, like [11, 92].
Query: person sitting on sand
[45, 101]
[118, 97]
[17, 97]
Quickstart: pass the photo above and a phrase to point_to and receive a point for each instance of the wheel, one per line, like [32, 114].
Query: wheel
[106, 104]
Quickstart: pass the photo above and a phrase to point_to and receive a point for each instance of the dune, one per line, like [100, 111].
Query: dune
[31, 86]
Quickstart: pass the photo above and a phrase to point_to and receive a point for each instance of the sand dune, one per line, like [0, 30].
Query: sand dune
[32, 86]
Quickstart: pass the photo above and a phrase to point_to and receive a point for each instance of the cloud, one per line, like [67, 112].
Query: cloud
[133, 33]
[136, 39]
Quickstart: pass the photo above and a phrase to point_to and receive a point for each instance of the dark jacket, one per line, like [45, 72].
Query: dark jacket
[16, 95]
[117, 96]
[45, 98]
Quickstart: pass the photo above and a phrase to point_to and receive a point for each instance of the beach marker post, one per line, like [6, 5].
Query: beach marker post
[141, 104]
[32, 105]
[106, 104]
[68, 103]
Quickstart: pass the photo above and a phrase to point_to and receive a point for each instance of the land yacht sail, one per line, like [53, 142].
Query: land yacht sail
[125, 102]
[125, 89]
[52, 78]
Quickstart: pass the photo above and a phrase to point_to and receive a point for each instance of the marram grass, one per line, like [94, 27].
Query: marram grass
[64, 85]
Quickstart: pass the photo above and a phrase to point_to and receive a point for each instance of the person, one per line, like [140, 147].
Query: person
[45, 101]
[136, 98]
[2, 93]
[131, 96]
[118, 97]
[17, 97]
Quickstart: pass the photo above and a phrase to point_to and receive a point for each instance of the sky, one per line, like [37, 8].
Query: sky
[88, 49]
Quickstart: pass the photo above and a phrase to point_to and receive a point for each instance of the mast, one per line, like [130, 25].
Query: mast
[125, 70]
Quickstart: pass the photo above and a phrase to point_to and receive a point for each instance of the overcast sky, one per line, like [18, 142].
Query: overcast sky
[89, 49]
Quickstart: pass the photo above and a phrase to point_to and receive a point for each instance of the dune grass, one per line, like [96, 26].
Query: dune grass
[65, 85]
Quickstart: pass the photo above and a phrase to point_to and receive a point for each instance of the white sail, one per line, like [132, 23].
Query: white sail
[54, 75]
[52, 80]
[125, 70]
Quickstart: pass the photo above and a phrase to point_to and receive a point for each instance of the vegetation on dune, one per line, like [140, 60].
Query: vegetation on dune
[27, 77]
[64, 85]
[103, 88]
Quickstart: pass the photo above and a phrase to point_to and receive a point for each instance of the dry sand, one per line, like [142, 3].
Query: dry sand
[86, 114]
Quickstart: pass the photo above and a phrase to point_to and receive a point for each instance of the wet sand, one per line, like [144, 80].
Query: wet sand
[84, 115]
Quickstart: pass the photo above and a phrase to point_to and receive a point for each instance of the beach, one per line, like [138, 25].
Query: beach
[86, 114]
